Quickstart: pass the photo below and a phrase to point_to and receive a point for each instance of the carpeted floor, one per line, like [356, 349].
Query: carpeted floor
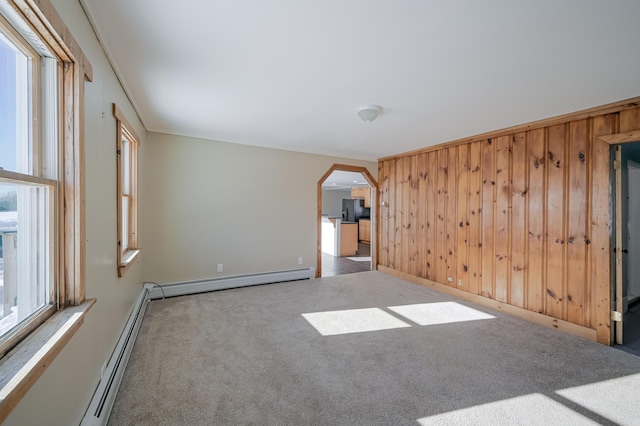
[249, 356]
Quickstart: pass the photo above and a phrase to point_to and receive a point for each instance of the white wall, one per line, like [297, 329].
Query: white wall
[252, 209]
[332, 201]
[61, 395]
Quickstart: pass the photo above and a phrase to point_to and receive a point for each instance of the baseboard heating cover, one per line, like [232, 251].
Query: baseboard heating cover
[102, 401]
[224, 283]
[105, 395]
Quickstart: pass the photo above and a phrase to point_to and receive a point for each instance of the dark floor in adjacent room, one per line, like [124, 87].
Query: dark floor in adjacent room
[631, 329]
[334, 265]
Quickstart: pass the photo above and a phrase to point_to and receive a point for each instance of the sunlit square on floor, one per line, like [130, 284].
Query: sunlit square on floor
[609, 398]
[533, 409]
[331, 323]
[439, 313]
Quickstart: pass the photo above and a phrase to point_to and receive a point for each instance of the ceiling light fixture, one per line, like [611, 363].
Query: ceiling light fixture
[369, 113]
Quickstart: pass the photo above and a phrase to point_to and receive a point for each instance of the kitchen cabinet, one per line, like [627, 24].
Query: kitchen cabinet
[362, 192]
[348, 239]
[364, 230]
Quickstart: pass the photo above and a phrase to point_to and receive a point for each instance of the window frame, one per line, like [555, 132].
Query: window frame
[129, 251]
[34, 177]
[41, 342]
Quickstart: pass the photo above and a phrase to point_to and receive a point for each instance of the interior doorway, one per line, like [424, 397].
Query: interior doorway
[346, 221]
[627, 235]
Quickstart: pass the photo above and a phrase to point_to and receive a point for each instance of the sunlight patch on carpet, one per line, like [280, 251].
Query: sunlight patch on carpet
[439, 313]
[332, 323]
[360, 259]
[533, 409]
[609, 398]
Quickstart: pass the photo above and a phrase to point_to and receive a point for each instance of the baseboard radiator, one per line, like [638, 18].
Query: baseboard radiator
[102, 401]
[105, 395]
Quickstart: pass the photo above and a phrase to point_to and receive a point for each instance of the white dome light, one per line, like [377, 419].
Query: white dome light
[369, 113]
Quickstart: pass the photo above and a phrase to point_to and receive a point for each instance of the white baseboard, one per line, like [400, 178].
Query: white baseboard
[223, 283]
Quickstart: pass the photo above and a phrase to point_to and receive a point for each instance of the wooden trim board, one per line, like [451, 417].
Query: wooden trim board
[30, 359]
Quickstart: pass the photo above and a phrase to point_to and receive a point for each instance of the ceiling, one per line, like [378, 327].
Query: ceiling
[341, 180]
[291, 74]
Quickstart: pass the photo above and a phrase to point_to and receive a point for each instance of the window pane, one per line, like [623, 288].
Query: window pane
[126, 166]
[25, 254]
[15, 107]
[124, 238]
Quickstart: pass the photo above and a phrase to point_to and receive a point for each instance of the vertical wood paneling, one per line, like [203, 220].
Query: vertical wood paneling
[451, 215]
[441, 228]
[383, 185]
[520, 195]
[629, 120]
[488, 218]
[475, 213]
[462, 191]
[577, 233]
[536, 221]
[601, 229]
[555, 296]
[400, 197]
[412, 216]
[503, 218]
[422, 207]
[522, 218]
[391, 245]
[431, 255]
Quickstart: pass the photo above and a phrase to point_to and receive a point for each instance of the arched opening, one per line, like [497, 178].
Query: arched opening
[373, 211]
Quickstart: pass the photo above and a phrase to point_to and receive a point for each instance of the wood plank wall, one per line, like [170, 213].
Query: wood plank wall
[522, 216]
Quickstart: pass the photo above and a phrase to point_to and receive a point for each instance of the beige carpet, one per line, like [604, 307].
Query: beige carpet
[364, 349]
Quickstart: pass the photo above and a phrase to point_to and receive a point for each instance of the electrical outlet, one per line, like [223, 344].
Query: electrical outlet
[299, 261]
[450, 279]
[219, 267]
[460, 282]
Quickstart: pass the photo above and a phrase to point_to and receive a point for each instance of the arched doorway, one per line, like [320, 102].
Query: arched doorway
[374, 211]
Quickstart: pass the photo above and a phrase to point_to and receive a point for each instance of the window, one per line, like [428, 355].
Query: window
[28, 185]
[42, 256]
[127, 148]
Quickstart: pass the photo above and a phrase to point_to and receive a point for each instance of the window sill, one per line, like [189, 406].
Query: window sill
[22, 367]
[128, 259]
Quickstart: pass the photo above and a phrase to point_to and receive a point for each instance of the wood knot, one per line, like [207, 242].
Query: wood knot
[582, 157]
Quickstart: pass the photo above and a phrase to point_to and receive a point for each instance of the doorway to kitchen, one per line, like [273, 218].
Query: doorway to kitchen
[346, 221]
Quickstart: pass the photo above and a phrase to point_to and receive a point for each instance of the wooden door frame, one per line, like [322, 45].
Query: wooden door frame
[374, 212]
[615, 289]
